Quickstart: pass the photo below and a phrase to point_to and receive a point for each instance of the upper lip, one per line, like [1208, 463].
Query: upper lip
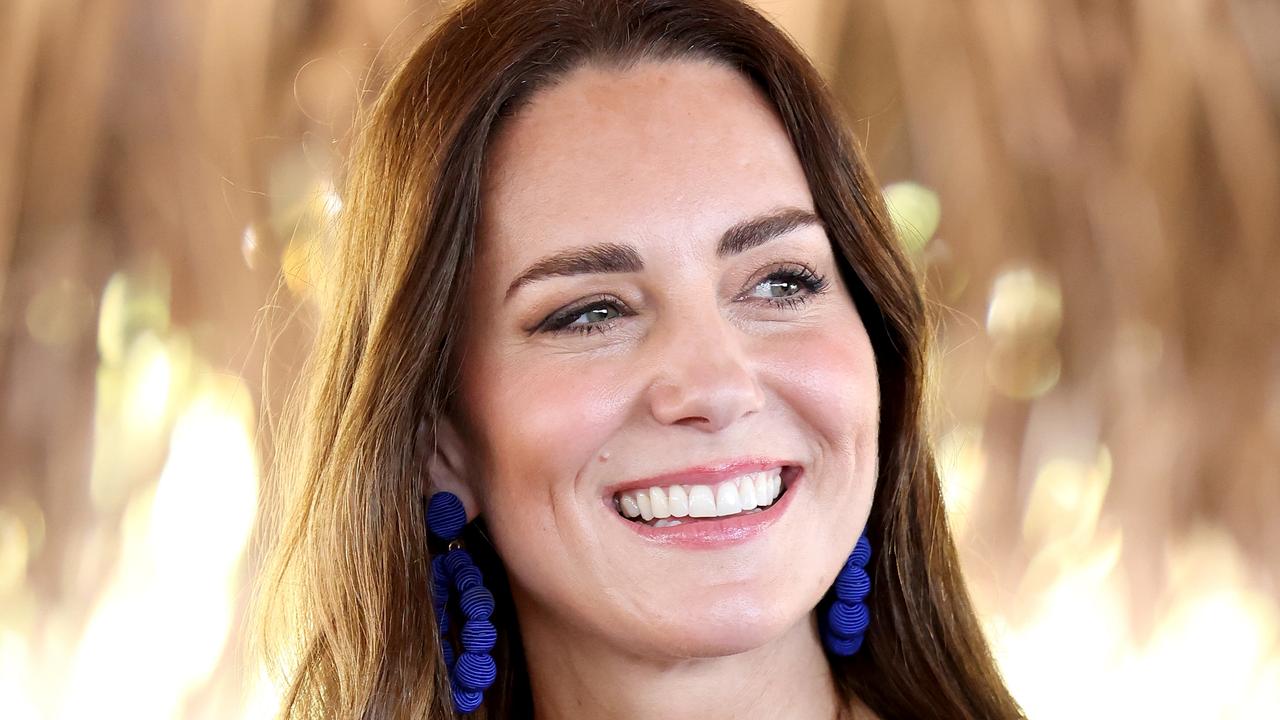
[705, 474]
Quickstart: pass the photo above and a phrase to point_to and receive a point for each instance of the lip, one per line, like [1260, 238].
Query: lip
[711, 533]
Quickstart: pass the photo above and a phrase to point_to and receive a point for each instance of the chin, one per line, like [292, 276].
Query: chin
[727, 624]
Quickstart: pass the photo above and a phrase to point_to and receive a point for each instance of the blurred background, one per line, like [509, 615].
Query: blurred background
[1092, 189]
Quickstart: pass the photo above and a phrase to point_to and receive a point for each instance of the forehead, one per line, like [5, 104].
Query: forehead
[667, 152]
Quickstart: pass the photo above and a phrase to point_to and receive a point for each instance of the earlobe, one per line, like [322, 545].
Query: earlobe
[443, 460]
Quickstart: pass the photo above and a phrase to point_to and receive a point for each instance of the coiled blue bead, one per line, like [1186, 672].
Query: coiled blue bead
[439, 571]
[466, 700]
[861, 554]
[467, 577]
[445, 515]
[475, 671]
[848, 619]
[455, 560]
[844, 646]
[478, 636]
[853, 584]
[476, 603]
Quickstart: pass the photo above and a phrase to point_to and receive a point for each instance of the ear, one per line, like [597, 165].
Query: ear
[443, 458]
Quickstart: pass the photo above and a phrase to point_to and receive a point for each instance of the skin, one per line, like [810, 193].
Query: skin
[694, 367]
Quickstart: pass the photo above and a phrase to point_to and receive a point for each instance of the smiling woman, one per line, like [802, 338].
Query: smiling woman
[618, 294]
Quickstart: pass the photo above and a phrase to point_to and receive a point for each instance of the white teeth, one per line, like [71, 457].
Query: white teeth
[747, 493]
[764, 490]
[646, 509]
[629, 506]
[701, 502]
[677, 501]
[658, 502]
[727, 502]
[742, 494]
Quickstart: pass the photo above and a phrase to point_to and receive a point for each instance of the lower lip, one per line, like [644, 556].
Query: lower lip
[720, 532]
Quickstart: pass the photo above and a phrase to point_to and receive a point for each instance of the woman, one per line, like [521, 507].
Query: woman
[617, 292]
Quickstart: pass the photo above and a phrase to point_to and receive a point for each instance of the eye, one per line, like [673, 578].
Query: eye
[597, 314]
[789, 280]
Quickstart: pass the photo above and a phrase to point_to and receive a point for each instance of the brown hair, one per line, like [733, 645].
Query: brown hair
[350, 571]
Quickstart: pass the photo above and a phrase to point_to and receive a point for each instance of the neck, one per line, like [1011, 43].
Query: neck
[573, 675]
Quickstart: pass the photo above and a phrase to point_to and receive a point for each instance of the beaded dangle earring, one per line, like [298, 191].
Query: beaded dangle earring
[472, 671]
[847, 619]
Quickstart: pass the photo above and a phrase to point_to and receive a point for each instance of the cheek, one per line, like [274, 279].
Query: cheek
[543, 420]
[829, 377]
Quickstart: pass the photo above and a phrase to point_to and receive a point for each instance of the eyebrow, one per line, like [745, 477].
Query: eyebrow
[619, 258]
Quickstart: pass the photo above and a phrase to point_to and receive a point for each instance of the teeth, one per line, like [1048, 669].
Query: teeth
[747, 493]
[658, 502]
[629, 506]
[701, 502]
[742, 494]
[677, 501]
[727, 502]
[646, 508]
[764, 490]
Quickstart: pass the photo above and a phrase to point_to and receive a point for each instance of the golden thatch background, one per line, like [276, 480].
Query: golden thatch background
[1092, 188]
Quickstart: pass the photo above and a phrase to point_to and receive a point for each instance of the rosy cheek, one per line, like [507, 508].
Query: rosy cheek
[828, 376]
[545, 419]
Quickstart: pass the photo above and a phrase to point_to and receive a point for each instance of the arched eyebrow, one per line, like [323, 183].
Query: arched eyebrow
[620, 258]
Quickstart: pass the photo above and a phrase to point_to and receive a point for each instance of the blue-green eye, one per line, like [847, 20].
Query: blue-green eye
[597, 315]
[799, 277]
[778, 287]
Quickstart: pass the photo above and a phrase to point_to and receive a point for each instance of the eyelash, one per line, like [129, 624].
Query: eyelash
[801, 275]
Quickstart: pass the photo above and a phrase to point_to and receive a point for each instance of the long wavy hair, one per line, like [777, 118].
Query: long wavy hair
[343, 607]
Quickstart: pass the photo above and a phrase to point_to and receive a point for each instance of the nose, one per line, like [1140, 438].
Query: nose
[705, 379]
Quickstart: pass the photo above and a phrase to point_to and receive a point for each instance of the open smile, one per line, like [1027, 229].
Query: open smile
[699, 515]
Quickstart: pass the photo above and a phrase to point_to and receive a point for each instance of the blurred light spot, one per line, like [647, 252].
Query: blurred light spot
[130, 307]
[296, 266]
[207, 495]
[249, 246]
[330, 201]
[59, 312]
[915, 211]
[1024, 370]
[1066, 500]
[148, 375]
[1023, 303]
[134, 404]
[15, 550]
[963, 468]
[1023, 318]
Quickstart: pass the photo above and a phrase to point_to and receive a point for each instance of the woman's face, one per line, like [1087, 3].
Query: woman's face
[710, 336]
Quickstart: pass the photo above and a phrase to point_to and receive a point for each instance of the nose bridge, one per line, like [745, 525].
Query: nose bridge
[704, 376]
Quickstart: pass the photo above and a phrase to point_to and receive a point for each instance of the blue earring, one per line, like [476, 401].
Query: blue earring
[473, 671]
[848, 617]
